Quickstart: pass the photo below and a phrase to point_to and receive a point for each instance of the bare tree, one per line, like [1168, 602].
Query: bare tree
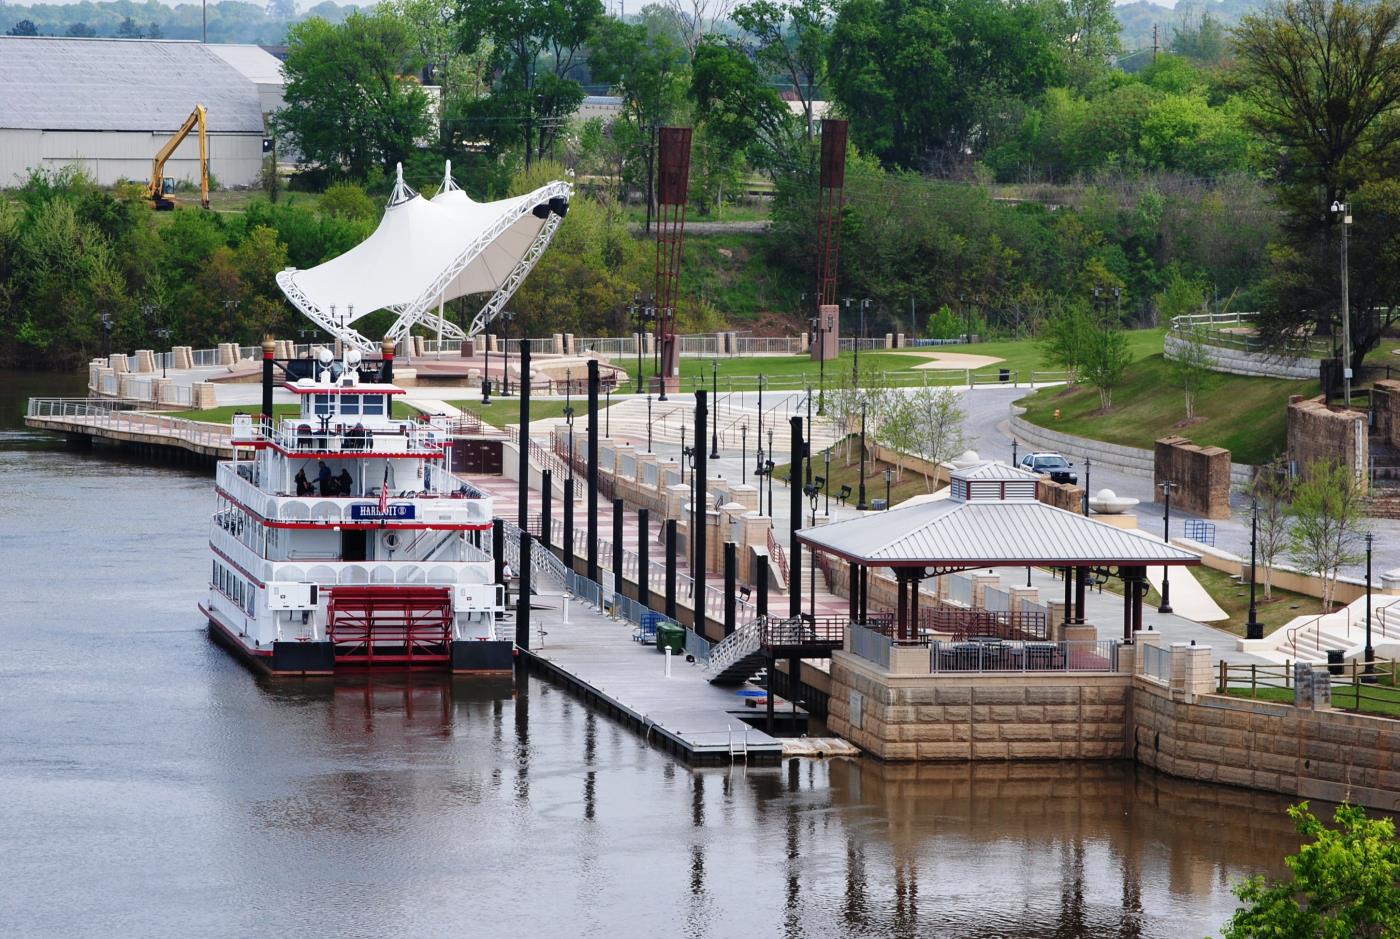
[1191, 365]
[1270, 492]
[1326, 529]
[696, 19]
[938, 417]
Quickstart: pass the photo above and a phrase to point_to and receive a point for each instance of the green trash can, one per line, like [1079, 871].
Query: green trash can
[670, 635]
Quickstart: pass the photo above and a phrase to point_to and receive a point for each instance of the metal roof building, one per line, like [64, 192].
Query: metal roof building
[991, 518]
[108, 105]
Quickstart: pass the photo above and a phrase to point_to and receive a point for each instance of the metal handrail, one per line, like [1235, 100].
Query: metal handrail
[1316, 622]
[741, 643]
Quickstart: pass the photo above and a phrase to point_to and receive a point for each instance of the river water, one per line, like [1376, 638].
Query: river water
[150, 786]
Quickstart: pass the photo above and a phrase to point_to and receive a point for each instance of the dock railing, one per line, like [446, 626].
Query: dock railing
[871, 644]
[1156, 662]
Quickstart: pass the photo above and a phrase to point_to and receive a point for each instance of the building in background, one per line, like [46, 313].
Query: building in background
[107, 105]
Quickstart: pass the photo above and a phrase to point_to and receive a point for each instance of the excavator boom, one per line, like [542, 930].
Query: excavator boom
[155, 189]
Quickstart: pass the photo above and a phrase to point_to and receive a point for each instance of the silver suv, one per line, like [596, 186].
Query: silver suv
[1053, 465]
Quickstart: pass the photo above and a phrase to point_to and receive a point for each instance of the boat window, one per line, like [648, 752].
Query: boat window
[373, 404]
[349, 404]
[321, 404]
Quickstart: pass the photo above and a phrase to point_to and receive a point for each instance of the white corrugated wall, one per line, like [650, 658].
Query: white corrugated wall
[234, 159]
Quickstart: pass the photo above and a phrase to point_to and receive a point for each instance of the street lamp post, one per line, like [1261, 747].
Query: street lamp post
[1370, 650]
[644, 315]
[1343, 212]
[607, 412]
[714, 395]
[1253, 629]
[1087, 464]
[860, 500]
[744, 454]
[807, 440]
[486, 371]
[648, 423]
[889, 477]
[855, 362]
[826, 484]
[768, 471]
[164, 334]
[811, 490]
[1014, 443]
[1167, 486]
[967, 317]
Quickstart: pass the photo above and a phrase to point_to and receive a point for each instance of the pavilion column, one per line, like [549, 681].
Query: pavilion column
[853, 593]
[916, 579]
[1081, 582]
[865, 582]
[1069, 596]
[901, 580]
[1139, 582]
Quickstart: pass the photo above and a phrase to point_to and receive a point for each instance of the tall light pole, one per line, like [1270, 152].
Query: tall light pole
[486, 371]
[1253, 629]
[648, 423]
[714, 423]
[860, 502]
[644, 315]
[1167, 486]
[1370, 651]
[1343, 212]
[768, 471]
[855, 362]
[744, 453]
[889, 478]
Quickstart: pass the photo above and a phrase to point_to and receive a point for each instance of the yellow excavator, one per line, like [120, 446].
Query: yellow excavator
[161, 189]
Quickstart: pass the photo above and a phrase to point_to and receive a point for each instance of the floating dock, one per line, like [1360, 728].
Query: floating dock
[594, 656]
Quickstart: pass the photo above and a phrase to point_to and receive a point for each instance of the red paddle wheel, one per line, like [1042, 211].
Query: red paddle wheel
[390, 625]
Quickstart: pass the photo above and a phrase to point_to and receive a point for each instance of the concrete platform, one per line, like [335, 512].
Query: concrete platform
[595, 657]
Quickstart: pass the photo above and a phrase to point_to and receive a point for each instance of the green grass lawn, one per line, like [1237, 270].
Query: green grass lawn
[792, 371]
[1233, 598]
[1244, 415]
[1380, 699]
[224, 415]
[912, 484]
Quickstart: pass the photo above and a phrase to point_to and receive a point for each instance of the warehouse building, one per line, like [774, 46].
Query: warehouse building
[108, 105]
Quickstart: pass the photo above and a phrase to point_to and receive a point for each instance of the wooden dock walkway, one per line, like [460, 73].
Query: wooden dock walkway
[595, 656]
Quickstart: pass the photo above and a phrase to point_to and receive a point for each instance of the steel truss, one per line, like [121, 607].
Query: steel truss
[423, 309]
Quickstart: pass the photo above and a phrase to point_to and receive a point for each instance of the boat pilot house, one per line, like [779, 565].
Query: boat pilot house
[902, 683]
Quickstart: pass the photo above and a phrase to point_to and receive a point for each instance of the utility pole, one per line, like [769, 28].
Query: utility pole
[1154, 42]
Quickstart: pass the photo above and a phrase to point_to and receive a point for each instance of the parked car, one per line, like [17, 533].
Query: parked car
[1053, 465]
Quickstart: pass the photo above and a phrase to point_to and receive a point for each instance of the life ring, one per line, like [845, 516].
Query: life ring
[391, 540]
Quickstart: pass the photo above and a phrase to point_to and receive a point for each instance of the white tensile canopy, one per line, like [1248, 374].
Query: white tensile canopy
[426, 252]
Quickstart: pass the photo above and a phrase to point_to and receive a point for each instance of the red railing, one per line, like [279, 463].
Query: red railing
[776, 551]
[965, 624]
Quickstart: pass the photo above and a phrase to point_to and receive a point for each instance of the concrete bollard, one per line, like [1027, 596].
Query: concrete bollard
[668, 661]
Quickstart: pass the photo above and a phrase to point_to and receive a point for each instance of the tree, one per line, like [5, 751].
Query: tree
[1345, 883]
[534, 49]
[1191, 366]
[128, 29]
[647, 70]
[23, 28]
[938, 426]
[944, 324]
[1066, 337]
[1270, 491]
[80, 31]
[1106, 361]
[347, 200]
[432, 28]
[738, 108]
[348, 104]
[693, 20]
[1325, 531]
[153, 31]
[791, 39]
[921, 80]
[1322, 78]
[1202, 39]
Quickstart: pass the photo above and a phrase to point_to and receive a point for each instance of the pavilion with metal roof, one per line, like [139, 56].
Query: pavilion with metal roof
[990, 519]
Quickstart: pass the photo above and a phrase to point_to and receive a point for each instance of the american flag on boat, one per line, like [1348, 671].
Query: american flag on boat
[384, 490]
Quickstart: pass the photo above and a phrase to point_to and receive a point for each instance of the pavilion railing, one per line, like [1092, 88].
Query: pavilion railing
[1024, 625]
[1001, 656]
[871, 644]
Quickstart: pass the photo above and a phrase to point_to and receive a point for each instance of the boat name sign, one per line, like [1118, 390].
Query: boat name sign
[370, 512]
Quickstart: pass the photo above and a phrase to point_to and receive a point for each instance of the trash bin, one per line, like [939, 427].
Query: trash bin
[1004, 374]
[1336, 663]
[670, 635]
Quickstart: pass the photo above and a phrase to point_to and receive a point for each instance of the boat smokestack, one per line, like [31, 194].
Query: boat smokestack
[269, 351]
[386, 373]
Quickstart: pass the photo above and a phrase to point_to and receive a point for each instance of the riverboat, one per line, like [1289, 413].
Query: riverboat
[340, 537]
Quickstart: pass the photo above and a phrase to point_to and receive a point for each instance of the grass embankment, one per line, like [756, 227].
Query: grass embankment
[1381, 698]
[912, 484]
[224, 415]
[1244, 415]
[1233, 597]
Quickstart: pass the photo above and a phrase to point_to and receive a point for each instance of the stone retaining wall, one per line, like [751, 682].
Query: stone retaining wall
[1131, 460]
[1309, 754]
[962, 717]
[1240, 362]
